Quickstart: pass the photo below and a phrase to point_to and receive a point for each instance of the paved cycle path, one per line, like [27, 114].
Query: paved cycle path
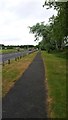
[27, 99]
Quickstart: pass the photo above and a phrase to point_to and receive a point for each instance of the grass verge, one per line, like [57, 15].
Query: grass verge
[12, 72]
[55, 65]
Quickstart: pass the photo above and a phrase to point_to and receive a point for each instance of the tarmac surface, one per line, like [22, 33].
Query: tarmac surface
[27, 99]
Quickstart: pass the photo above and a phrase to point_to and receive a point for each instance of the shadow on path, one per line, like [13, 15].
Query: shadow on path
[27, 99]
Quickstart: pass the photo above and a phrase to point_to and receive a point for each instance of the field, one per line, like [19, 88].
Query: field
[9, 50]
[11, 72]
[55, 65]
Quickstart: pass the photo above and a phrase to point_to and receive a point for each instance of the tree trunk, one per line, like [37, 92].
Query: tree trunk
[56, 45]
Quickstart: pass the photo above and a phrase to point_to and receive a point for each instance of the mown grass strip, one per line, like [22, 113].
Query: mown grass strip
[12, 72]
[55, 67]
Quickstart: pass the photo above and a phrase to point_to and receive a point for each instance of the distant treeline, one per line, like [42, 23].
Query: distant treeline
[17, 46]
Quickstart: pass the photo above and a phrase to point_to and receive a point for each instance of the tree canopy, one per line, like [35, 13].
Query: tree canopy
[55, 34]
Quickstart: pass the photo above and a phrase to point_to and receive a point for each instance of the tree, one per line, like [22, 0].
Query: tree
[43, 31]
[60, 22]
[55, 33]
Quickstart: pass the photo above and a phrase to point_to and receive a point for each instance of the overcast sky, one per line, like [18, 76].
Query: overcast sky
[16, 16]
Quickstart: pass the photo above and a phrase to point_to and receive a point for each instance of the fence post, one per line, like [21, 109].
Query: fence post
[20, 57]
[15, 59]
[9, 61]
[3, 63]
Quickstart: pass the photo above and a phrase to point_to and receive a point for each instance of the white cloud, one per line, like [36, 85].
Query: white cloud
[16, 16]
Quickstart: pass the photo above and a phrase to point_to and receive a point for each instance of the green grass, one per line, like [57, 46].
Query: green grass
[55, 65]
[0, 51]
[0, 80]
[12, 72]
[9, 50]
